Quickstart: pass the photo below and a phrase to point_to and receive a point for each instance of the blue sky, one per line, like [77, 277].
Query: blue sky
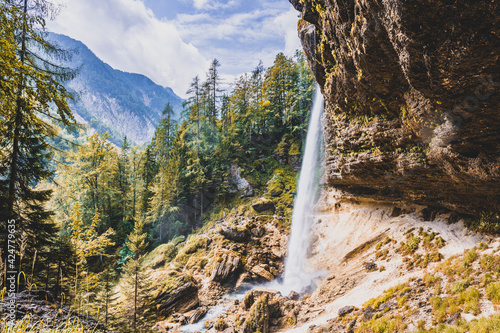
[171, 41]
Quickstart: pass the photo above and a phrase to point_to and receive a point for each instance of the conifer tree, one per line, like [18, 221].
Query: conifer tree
[134, 284]
[213, 89]
[33, 102]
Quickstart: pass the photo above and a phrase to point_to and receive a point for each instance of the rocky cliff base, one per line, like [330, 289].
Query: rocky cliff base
[411, 98]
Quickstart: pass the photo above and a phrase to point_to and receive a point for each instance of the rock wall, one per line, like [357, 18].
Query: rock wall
[411, 91]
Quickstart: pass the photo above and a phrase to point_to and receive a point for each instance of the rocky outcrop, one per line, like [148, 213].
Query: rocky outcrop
[411, 98]
[262, 205]
[258, 317]
[39, 308]
[235, 234]
[224, 265]
[181, 299]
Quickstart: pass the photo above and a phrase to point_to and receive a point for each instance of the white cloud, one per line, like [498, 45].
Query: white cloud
[287, 25]
[214, 4]
[241, 39]
[127, 35]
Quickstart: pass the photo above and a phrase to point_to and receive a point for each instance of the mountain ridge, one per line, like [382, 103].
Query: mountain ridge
[114, 101]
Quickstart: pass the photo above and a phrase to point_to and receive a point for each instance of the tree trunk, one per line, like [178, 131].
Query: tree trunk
[135, 303]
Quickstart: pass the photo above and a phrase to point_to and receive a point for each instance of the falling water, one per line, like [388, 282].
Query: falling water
[296, 276]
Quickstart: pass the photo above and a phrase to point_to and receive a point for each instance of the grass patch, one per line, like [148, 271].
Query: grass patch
[387, 295]
[383, 324]
[493, 292]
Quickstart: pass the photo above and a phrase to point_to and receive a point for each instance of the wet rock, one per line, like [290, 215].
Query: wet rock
[263, 205]
[256, 293]
[248, 192]
[236, 235]
[198, 314]
[220, 325]
[262, 272]
[345, 310]
[258, 231]
[441, 104]
[294, 296]
[242, 281]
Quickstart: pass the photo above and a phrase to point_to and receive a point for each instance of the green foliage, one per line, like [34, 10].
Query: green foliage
[487, 222]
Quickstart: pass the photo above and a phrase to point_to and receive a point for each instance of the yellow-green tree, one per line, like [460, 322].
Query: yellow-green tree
[87, 243]
[134, 284]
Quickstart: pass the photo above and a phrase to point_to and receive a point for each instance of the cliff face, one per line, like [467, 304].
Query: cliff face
[412, 93]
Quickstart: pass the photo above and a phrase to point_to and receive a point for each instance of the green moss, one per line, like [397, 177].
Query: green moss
[411, 244]
[170, 283]
[196, 246]
[160, 256]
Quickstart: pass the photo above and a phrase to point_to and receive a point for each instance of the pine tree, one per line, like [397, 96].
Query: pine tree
[33, 102]
[134, 284]
[213, 89]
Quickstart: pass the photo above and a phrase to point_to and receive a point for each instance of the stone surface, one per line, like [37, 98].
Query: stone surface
[261, 271]
[263, 205]
[257, 319]
[370, 266]
[198, 314]
[182, 299]
[294, 296]
[345, 310]
[236, 235]
[411, 98]
[225, 263]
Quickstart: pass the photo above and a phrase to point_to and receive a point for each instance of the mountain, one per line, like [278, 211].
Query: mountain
[109, 100]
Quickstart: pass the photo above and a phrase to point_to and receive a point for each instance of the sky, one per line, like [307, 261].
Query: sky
[172, 41]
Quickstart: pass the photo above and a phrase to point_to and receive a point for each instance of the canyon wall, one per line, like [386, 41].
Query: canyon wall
[411, 99]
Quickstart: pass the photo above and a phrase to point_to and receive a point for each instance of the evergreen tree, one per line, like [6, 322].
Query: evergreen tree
[213, 89]
[33, 102]
[134, 284]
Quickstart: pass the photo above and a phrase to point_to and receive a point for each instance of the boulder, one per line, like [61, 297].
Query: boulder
[294, 296]
[257, 293]
[263, 205]
[262, 272]
[368, 313]
[198, 314]
[225, 263]
[181, 299]
[236, 235]
[257, 319]
[370, 266]
[345, 310]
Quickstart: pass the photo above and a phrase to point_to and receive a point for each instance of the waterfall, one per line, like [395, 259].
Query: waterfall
[296, 276]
